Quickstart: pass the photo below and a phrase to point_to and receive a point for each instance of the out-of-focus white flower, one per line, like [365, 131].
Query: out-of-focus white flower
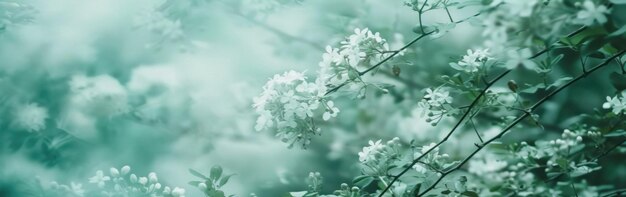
[102, 95]
[152, 177]
[125, 170]
[114, 172]
[77, 189]
[592, 13]
[31, 117]
[100, 179]
[178, 192]
[520, 58]
[521, 8]
[143, 180]
[487, 164]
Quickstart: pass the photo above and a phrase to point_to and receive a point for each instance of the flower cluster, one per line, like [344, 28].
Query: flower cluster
[361, 48]
[473, 61]
[287, 104]
[122, 182]
[435, 104]
[378, 156]
[31, 117]
[617, 104]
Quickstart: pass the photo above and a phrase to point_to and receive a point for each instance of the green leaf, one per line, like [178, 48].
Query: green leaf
[225, 179]
[362, 181]
[618, 133]
[618, 1]
[216, 172]
[618, 81]
[470, 194]
[194, 183]
[197, 174]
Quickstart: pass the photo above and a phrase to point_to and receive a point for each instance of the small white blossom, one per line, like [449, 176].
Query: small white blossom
[616, 104]
[522, 8]
[178, 192]
[437, 97]
[331, 111]
[472, 61]
[100, 179]
[592, 13]
[368, 153]
[520, 58]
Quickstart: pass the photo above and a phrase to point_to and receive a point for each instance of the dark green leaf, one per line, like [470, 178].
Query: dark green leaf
[197, 174]
[216, 172]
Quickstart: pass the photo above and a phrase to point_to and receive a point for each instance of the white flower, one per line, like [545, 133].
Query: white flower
[287, 105]
[99, 179]
[368, 153]
[143, 180]
[437, 97]
[178, 192]
[522, 8]
[428, 147]
[472, 61]
[152, 177]
[616, 104]
[331, 111]
[77, 189]
[31, 117]
[591, 13]
[520, 57]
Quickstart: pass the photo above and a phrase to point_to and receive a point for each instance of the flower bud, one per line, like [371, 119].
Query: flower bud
[115, 173]
[153, 177]
[125, 170]
[133, 178]
[202, 186]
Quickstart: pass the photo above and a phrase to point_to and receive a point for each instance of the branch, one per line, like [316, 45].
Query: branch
[520, 118]
[393, 54]
[471, 106]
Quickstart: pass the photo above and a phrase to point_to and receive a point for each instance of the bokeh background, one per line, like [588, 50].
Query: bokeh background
[170, 87]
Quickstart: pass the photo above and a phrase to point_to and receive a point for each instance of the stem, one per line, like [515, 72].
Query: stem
[420, 12]
[520, 118]
[445, 6]
[474, 103]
